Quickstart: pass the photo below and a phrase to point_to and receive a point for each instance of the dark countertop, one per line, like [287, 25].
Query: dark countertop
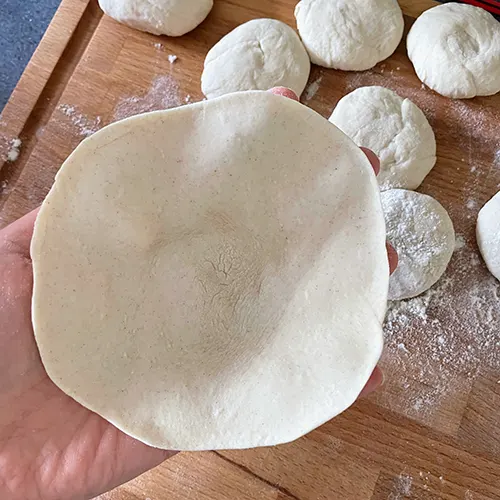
[22, 25]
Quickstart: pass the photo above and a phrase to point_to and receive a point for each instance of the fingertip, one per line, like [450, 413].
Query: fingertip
[375, 381]
[392, 255]
[373, 159]
[284, 92]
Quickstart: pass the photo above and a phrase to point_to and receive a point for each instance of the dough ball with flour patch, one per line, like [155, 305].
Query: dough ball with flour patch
[160, 17]
[455, 49]
[392, 127]
[488, 234]
[422, 233]
[258, 55]
[351, 35]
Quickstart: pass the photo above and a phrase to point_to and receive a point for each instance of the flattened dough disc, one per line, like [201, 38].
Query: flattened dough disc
[213, 276]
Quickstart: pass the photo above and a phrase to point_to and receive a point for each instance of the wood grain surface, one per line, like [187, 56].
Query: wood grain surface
[432, 431]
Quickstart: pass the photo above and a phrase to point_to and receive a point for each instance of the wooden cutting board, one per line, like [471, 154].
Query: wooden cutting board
[433, 430]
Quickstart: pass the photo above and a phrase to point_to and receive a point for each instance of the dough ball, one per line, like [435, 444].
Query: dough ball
[422, 233]
[488, 234]
[455, 49]
[213, 276]
[352, 35]
[160, 17]
[392, 127]
[258, 55]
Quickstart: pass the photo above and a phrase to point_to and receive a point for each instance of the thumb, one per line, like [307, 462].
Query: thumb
[16, 237]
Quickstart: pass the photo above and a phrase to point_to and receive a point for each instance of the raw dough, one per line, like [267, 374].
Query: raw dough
[488, 234]
[349, 34]
[422, 233]
[213, 276]
[160, 17]
[455, 49]
[392, 127]
[257, 55]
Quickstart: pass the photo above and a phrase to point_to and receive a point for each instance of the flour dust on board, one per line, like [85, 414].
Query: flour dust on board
[164, 93]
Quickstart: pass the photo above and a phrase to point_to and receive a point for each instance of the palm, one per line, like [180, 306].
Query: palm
[50, 446]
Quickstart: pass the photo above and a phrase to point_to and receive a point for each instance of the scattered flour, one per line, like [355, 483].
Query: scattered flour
[172, 58]
[438, 343]
[312, 89]
[164, 93]
[471, 204]
[459, 242]
[85, 125]
[15, 146]
[401, 488]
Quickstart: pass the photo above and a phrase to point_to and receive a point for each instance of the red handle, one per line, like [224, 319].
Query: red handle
[492, 6]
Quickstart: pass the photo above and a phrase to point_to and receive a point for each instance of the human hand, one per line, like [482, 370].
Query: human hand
[51, 447]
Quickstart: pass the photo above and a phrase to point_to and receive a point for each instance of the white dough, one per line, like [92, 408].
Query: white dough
[160, 17]
[258, 55]
[349, 34]
[455, 50]
[213, 276]
[393, 128]
[488, 234]
[422, 233]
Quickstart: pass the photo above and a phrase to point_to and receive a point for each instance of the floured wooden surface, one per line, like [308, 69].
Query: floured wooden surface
[433, 430]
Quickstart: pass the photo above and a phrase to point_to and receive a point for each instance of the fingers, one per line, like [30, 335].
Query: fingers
[16, 238]
[373, 158]
[377, 377]
[376, 380]
[391, 252]
[285, 92]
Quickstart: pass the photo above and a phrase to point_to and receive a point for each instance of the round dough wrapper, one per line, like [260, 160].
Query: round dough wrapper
[455, 50]
[488, 234]
[213, 276]
[422, 233]
[392, 127]
[160, 17]
[258, 55]
[351, 35]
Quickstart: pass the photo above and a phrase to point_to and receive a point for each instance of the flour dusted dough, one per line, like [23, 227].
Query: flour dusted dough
[455, 49]
[394, 128]
[349, 34]
[258, 55]
[213, 276]
[488, 234]
[422, 233]
[160, 17]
